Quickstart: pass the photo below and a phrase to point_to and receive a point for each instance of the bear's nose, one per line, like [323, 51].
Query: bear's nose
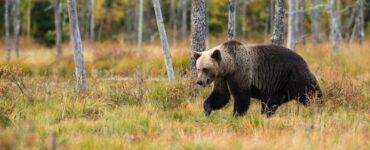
[200, 82]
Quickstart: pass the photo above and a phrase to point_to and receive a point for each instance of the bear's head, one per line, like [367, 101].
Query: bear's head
[212, 64]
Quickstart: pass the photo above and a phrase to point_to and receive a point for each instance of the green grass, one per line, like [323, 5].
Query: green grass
[147, 112]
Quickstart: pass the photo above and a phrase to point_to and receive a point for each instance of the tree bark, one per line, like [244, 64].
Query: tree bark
[90, 17]
[244, 18]
[58, 28]
[173, 20]
[140, 28]
[358, 29]
[335, 30]
[78, 46]
[28, 22]
[231, 32]
[316, 21]
[199, 28]
[301, 29]
[16, 26]
[278, 30]
[292, 25]
[271, 16]
[164, 41]
[184, 17]
[7, 33]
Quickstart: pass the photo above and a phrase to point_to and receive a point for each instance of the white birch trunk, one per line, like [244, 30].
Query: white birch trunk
[140, 28]
[244, 17]
[271, 16]
[164, 41]
[91, 16]
[184, 17]
[301, 29]
[78, 46]
[16, 26]
[173, 20]
[358, 28]
[28, 22]
[335, 31]
[292, 25]
[278, 30]
[58, 27]
[7, 33]
[231, 32]
[316, 21]
[199, 27]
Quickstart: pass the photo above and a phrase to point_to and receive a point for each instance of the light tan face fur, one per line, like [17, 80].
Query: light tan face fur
[207, 67]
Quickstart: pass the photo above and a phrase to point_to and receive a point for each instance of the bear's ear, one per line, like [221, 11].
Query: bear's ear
[216, 55]
[196, 54]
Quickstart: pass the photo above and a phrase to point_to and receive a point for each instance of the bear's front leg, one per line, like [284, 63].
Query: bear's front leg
[219, 97]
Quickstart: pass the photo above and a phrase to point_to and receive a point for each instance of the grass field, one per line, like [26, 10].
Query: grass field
[39, 107]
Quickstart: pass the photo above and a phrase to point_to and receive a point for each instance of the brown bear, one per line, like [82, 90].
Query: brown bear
[270, 73]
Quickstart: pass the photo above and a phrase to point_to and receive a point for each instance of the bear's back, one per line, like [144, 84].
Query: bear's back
[273, 67]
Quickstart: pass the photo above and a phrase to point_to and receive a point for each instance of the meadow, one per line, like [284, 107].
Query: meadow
[131, 105]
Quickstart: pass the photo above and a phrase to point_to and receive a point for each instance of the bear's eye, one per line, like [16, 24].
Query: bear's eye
[205, 70]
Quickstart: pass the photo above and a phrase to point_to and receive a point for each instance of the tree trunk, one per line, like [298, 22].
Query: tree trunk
[78, 46]
[173, 20]
[58, 28]
[16, 26]
[335, 31]
[316, 21]
[292, 24]
[358, 28]
[90, 17]
[6, 25]
[231, 31]
[184, 17]
[28, 22]
[199, 27]
[140, 28]
[244, 17]
[271, 16]
[301, 29]
[164, 41]
[278, 30]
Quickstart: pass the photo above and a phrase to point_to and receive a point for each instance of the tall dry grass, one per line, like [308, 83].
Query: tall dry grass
[39, 107]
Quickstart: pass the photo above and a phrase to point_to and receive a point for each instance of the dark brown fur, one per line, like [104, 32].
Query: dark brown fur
[271, 73]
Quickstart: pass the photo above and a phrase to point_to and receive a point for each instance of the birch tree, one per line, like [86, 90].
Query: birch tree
[7, 33]
[184, 17]
[164, 41]
[231, 32]
[335, 29]
[358, 28]
[173, 19]
[90, 17]
[278, 30]
[30, 5]
[58, 28]
[243, 11]
[140, 27]
[292, 25]
[16, 26]
[199, 27]
[78, 46]
[301, 29]
[271, 16]
[316, 12]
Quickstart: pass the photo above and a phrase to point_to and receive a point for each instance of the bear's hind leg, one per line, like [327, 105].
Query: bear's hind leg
[241, 105]
[269, 108]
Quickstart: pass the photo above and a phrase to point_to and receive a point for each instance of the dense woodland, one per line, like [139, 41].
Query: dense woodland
[118, 19]
[119, 74]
